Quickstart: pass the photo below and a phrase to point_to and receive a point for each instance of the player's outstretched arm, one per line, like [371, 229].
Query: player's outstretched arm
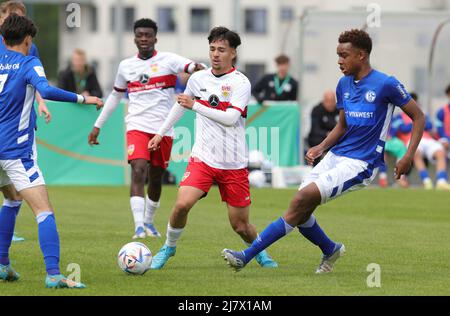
[333, 137]
[418, 118]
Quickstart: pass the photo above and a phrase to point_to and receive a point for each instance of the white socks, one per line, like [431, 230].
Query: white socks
[173, 234]
[150, 209]
[137, 204]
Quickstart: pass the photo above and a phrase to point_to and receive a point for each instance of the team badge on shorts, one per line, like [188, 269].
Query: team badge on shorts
[130, 149]
[185, 176]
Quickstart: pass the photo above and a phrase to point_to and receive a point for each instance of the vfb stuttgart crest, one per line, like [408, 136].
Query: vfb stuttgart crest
[214, 100]
[144, 79]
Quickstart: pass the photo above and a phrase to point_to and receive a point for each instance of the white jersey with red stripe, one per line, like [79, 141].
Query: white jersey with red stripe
[151, 85]
[217, 145]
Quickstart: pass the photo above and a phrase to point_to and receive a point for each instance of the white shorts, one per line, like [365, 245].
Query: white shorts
[22, 173]
[335, 175]
[428, 147]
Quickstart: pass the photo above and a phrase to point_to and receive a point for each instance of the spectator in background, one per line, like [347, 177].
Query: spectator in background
[324, 117]
[428, 147]
[79, 77]
[279, 86]
[443, 122]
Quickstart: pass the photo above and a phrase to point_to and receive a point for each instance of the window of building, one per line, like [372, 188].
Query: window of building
[93, 18]
[286, 14]
[200, 20]
[128, 18]
[166, 20]
[256, 21]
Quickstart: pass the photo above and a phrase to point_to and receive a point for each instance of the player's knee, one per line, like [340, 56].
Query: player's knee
[301, 202]
[240, 227]
[138, 174]
[182, 207]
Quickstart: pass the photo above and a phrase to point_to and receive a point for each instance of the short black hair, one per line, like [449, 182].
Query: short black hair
[146, 23]
[414, 95]
[15, 28]
[358, 38]
[447, 91]
[222, 33]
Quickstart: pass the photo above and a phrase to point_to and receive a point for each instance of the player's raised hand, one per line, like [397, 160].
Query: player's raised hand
[153, 144]
[42, 109]
[93, 135]
[402, 167]
[313, 153]
[94, 100]
[185, 101]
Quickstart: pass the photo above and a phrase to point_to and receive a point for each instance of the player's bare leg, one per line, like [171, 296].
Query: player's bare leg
[37, 199]
[186, 199]
[155, 174]
[137, 200]
[422, 170]
[239, 220]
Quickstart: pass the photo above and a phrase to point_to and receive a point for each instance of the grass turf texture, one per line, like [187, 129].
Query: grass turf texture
[406, 232]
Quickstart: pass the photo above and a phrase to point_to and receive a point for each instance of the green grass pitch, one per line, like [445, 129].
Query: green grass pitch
[405, 232]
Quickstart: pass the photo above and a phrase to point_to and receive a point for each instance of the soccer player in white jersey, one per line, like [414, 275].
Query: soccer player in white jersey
[150, 78]
[20, 76]
[365, 99]
[219, 96]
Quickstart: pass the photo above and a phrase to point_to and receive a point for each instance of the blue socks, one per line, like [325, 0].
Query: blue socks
[8, 214]
[312, 231]
[441, 175]
[424, 174]
[49, 241]
[268, 236]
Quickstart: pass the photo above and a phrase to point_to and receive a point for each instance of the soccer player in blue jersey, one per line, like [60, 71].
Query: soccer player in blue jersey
[365, 100]
[20, 76]
[17, 7]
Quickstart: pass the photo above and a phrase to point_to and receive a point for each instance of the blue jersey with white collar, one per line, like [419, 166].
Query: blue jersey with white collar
[368, 105]
[20, 76]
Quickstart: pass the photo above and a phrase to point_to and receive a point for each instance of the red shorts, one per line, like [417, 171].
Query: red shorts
[233, 184]
[137, 147]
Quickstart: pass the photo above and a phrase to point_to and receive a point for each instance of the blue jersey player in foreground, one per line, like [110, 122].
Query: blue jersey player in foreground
[20, 76]
[365, 100]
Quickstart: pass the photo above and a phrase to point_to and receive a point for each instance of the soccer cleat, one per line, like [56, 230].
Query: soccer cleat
[16, 238]
[427, 184]
[383, 182]
[59, 281]
[151, 230]
[163, 255]
[265, 261]
[7, 273]
[442, 185]
[235, 259]
[140, 233]
[327, 263]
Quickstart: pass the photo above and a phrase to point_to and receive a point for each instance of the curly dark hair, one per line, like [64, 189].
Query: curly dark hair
[222, 33]
[358, 38]
[15, 28]
[146, 23]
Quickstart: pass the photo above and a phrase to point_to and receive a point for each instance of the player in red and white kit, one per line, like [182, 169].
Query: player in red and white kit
[149, 77]
[220, 96]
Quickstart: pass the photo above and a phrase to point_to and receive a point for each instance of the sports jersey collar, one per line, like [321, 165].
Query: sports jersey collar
[363, 78]
[228, 72]
[154, 54]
